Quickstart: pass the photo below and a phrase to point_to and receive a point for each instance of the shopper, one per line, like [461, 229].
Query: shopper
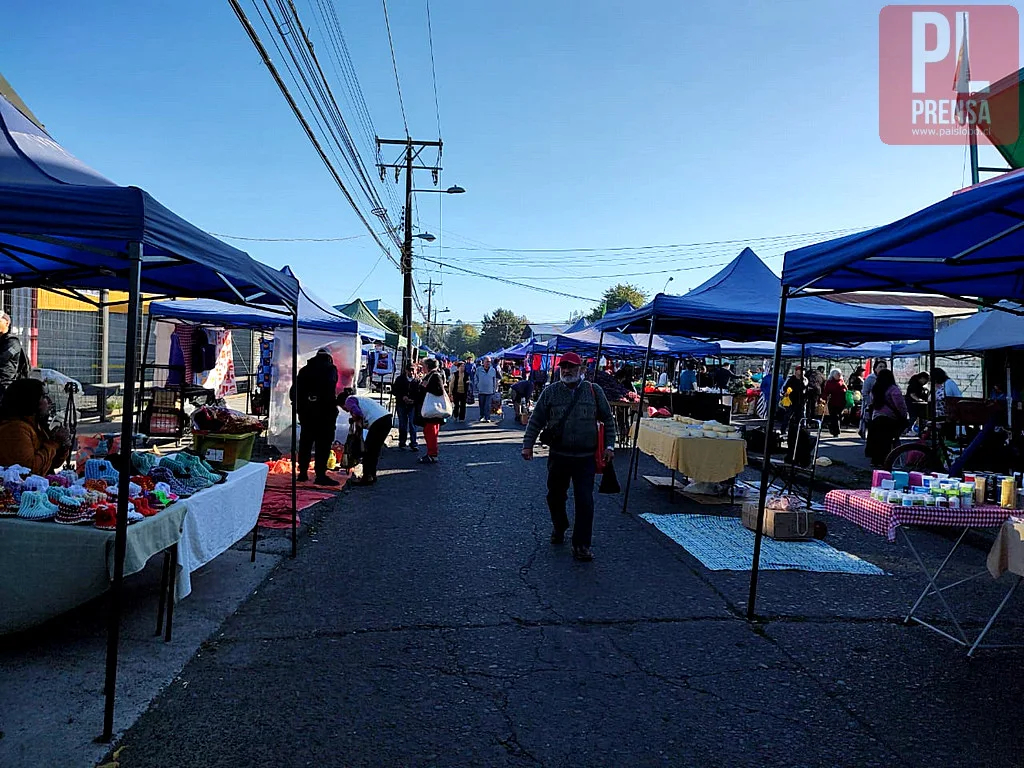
[865, 403]
[25, 436]
[916, 397]
[688, 377]
[317, 406]
[571, 409]
[13, 362]
[459, 391]
[366, 413]
[793, 393]
[813, 392]
[856, 381]
[888, 417]
[405, 390]
[486, 387]
[944, 387]
[431, 384]
[521, 393]
[834, 393]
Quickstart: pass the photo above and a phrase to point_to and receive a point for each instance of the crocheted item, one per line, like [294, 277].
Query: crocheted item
[134, 516]
[96, 468]
[8, 506]
[143, 507]
[70, 475]
[14, 487]
[56, 493]
[35, 506]
[20, 469]
[76, 491]
[112, 477]
[95, 497]
[162, 488]
[36, 483]
[12, 475]
[73, 513]
[58, 480]
[106, 517]
[143, 462]
[95, 484]
[194, 466]
[145, 481]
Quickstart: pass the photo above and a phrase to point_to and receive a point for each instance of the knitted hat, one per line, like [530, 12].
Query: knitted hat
[69, 474]
[96, 468]
[36, 483]
[73, 513]
[58, 480]
[106, 517]
[95, 497]
[12, 475]
[56, 493]
[76, 491]
[20, 469]
[35, 506]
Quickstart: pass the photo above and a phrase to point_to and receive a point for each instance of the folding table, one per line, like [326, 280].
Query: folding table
[887, 520]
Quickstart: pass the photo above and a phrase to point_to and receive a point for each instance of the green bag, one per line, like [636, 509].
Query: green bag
[850, 402]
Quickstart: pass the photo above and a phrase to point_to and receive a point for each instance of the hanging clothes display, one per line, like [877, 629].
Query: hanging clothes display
[181, 355]
[221, 377]
[266, 360]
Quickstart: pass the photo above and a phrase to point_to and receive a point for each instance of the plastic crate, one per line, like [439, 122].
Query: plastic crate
[226, 452]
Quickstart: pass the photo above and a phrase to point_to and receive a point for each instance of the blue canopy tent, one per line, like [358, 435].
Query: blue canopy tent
[989, 329]
[590, 339]
[578, 325]
[741, 302]
[968, 246]
[67, 228]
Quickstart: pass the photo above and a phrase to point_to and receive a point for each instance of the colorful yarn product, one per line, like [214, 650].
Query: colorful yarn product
[12, 475]
[35, 506]
[57, 480]
[145, 481]
[36, 483]
[14, 488]
[143, 462]
[70, 475]
[96, 468]
[56, 493]
[8, 507]
[95, 484]
[76, 491]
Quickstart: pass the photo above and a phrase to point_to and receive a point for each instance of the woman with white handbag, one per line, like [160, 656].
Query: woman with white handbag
[433, 407]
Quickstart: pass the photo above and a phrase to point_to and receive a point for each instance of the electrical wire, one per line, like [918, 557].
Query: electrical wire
[508, 281]
[433, 70]
[394, 64]
[287, 239]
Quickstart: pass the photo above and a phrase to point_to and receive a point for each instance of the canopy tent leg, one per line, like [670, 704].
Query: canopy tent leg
[1009, 396]
[142, 370]
[597, 357]
[931, 398]
[766, 463]
[634, 458]
[131, 346]
[295, 455]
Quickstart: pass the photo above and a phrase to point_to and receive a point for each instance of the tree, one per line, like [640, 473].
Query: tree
[391, 319]
[501, 328]
[615, 297]
[462, 338]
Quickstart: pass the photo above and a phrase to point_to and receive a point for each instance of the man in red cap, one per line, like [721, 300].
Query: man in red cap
[565, 418]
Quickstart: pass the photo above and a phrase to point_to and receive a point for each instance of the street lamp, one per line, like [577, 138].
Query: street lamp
[425, 236]
[455, 189]
[666, 284]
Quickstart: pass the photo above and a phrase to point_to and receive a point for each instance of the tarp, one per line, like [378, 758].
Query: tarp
[370, 326]
[579, 325]
[741, 303]
[757, 349]
[314, 314]
[61, 218]
[588, 340]
[969, 244]
[522, 349]
[979, 332]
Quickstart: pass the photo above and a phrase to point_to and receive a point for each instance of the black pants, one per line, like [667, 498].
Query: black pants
[318, 435]
[835, 413]
[375, 437]
[882, 435]
[459, 406]
[580, 472]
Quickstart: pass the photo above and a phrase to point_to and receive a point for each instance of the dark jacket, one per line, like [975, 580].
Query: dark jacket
[13, 364]
[317, 385]
[579, 435]
[431, 383]
[797, 395]
[405, 388]
[23, 441]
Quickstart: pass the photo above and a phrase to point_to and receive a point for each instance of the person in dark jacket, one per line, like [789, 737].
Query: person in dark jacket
[432, 384]
[13, 363]
[813, 393]
[316, 402]
[459, 389]
[406, 389]
[571, 457]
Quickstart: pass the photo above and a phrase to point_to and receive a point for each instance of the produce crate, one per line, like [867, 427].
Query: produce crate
[226, 452]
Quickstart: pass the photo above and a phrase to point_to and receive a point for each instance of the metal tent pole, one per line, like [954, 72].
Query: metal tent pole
[131, 346]
[766, 463]
[634, 459]
[142, 369]
[931, 399]
[295, 455]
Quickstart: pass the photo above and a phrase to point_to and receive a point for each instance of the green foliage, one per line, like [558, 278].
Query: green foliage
[463, 339]
[615, 297]
[391, 319]
[501, 328]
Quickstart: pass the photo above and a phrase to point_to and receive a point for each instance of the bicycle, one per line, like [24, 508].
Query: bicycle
[947, 456]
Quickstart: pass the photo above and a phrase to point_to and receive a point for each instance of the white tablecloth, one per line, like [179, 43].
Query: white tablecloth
[217, 518]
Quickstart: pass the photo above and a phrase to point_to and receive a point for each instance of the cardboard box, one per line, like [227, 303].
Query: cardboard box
[788, 525]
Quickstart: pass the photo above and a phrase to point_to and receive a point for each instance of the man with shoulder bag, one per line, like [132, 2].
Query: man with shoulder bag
[565, 419]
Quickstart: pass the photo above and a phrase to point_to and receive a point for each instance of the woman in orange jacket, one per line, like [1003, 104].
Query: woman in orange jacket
[25, 438]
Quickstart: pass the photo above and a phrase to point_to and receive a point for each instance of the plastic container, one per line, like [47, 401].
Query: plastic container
[226, 452]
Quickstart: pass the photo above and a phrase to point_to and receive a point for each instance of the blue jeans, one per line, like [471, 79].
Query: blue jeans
[406, 425]
[485, 405]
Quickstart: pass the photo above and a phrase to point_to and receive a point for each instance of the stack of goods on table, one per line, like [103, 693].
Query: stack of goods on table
[225, 437]
[711, 429]
[916, 489]
[68, 499]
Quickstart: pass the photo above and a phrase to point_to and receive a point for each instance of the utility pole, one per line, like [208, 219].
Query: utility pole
[430, 299]
[413, 149]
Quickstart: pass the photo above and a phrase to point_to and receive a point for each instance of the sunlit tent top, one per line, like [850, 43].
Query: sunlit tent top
[613, 343]
[969, 244]
[741, 303]
[62, 223]
[314, 314]
[977, 333]
[371, 326]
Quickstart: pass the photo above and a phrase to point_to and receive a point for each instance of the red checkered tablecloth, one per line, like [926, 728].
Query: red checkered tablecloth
[883, 518]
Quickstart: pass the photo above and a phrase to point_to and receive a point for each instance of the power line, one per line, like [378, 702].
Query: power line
[507, 281]
[433, 70]
[394, 64]
[287, 239]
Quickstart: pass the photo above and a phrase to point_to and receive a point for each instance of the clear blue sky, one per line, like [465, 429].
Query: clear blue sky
[572, 125]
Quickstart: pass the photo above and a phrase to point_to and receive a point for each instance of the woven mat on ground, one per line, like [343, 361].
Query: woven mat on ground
[723, 544]
[276, 511]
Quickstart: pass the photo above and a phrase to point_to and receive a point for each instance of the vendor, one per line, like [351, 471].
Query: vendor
[366, 413]
[25, 437]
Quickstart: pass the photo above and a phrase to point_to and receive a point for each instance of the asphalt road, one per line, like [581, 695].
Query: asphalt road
[428, 622]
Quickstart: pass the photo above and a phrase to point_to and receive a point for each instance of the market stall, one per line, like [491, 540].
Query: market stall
[702, 452]
[968, 245]
[741, 301]
[65, 226]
